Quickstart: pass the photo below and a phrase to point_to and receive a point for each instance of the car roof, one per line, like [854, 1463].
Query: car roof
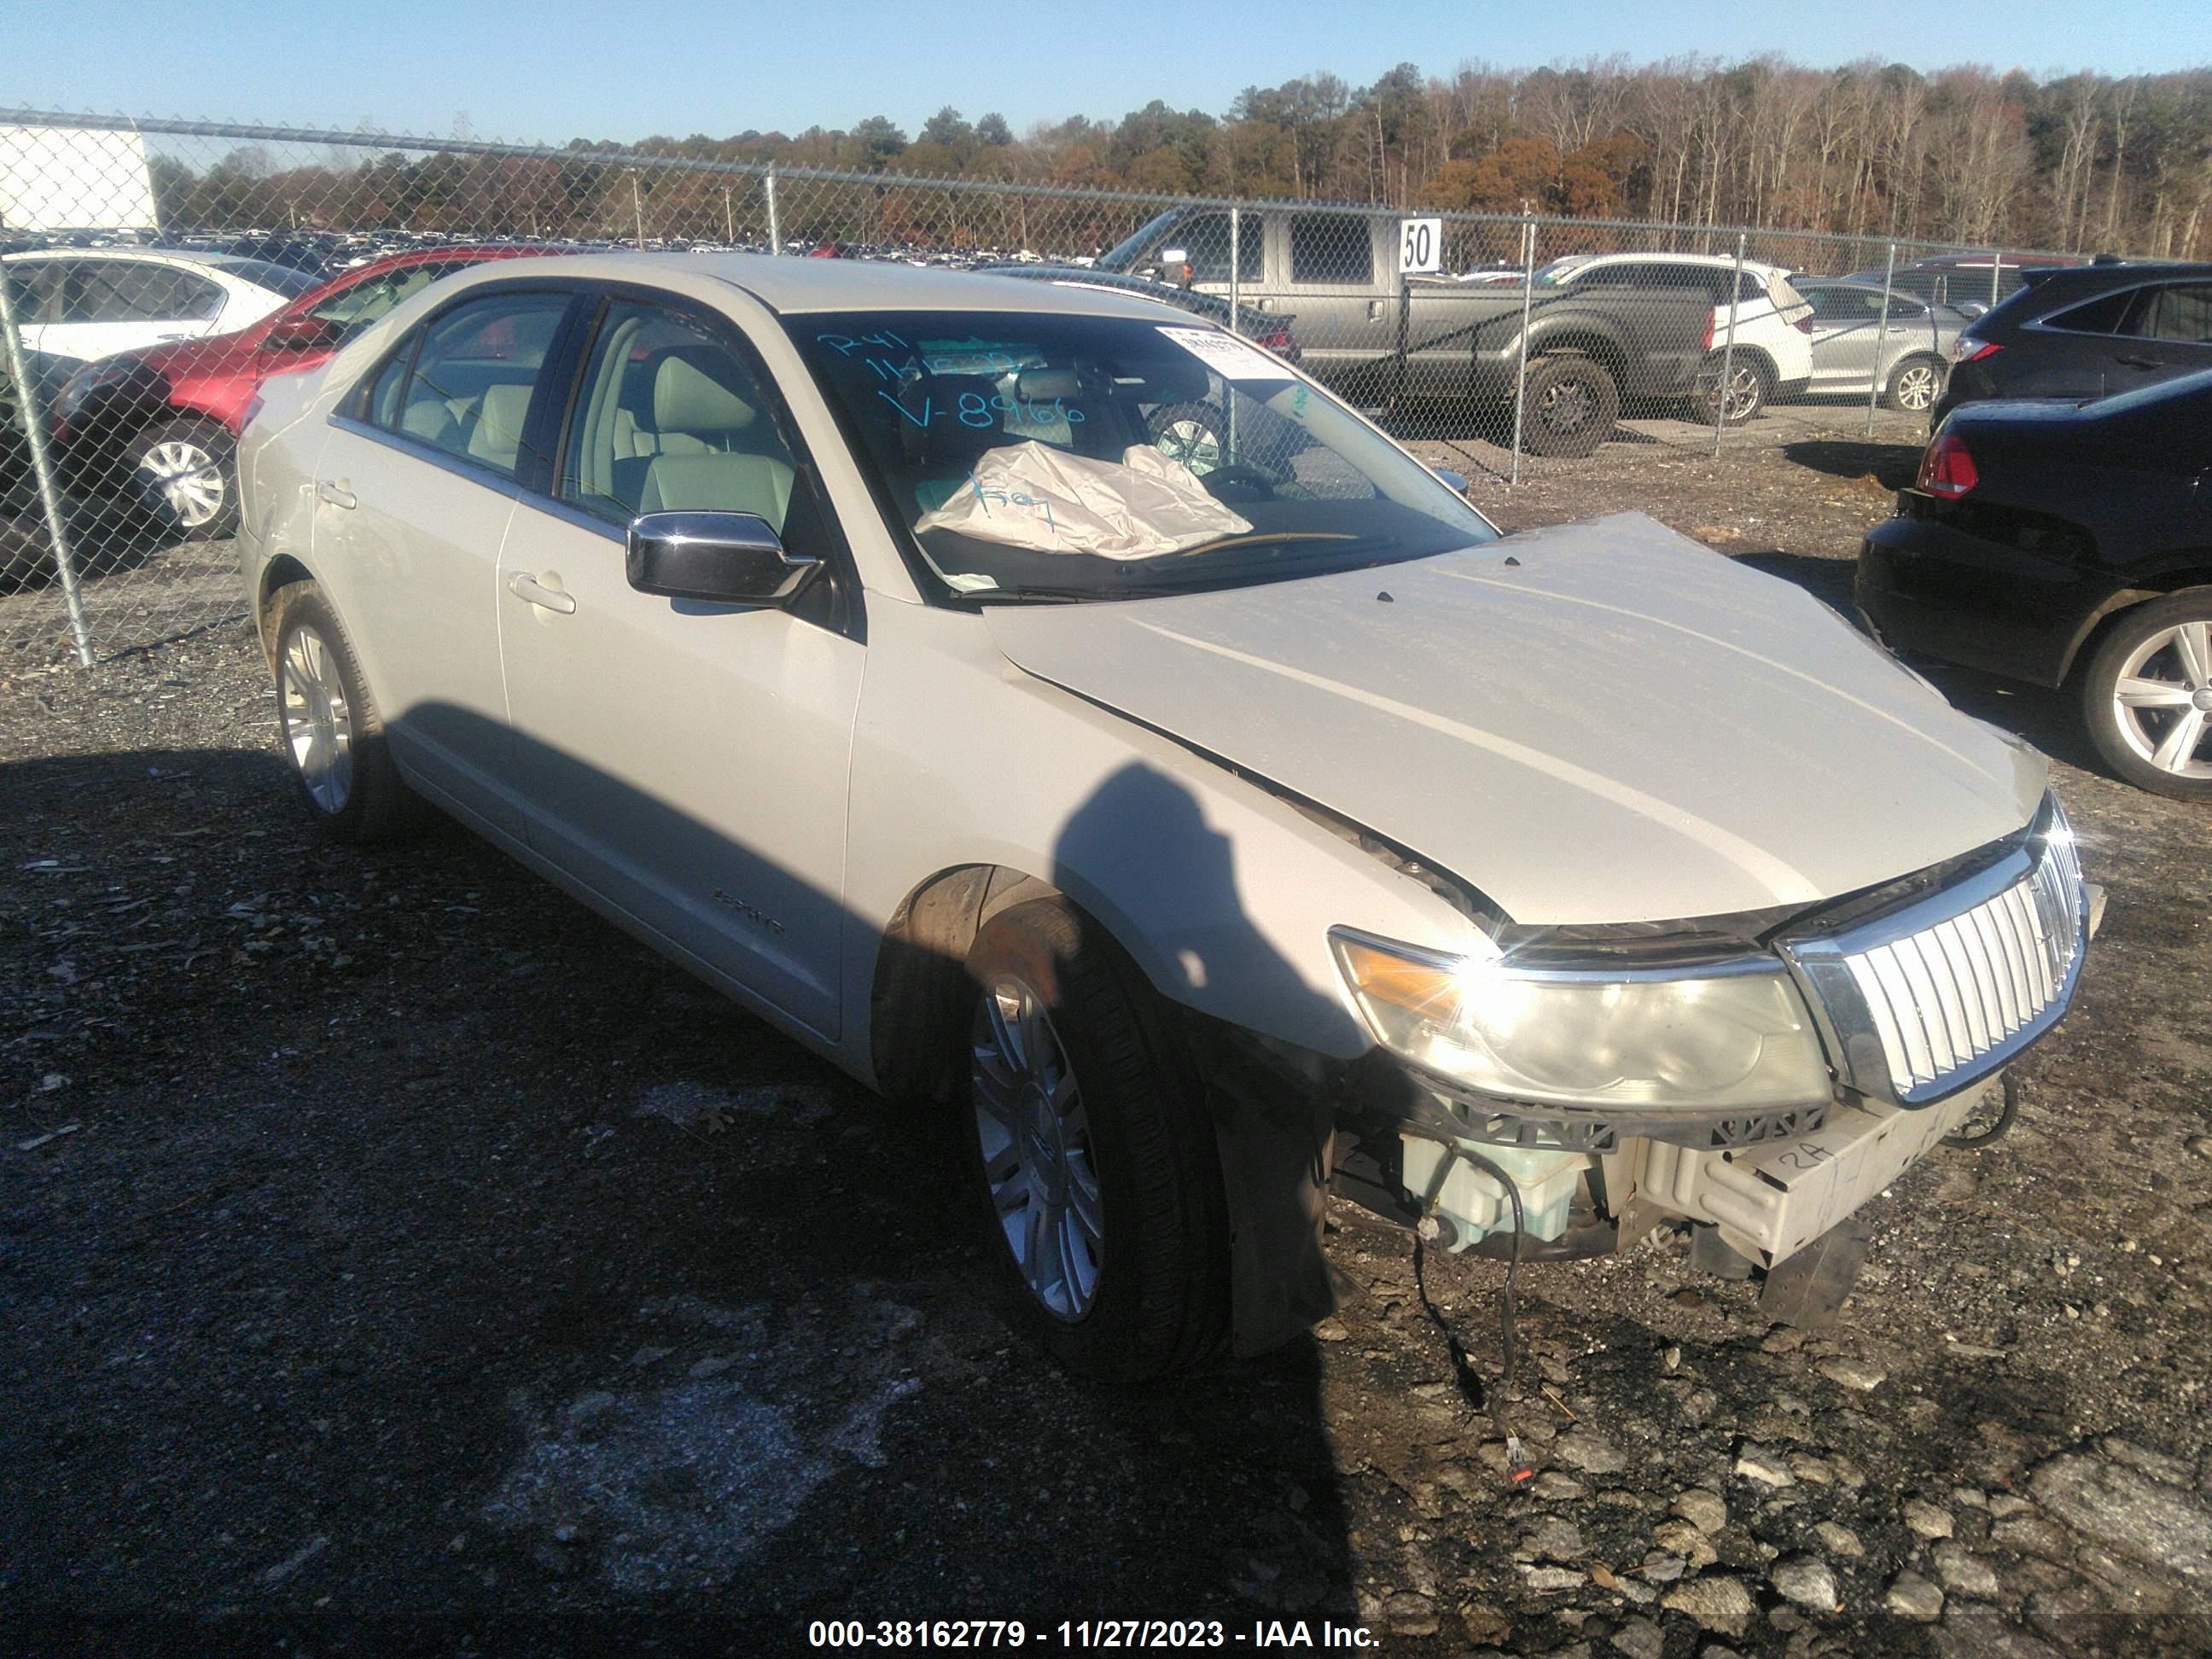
[798, 286]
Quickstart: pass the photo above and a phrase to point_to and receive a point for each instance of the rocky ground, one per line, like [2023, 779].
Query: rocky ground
[393, 1258]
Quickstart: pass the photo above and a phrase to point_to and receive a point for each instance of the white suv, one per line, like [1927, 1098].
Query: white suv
[1773, 352]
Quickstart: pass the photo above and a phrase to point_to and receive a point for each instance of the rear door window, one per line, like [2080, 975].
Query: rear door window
[474, 376]
[1331, 247]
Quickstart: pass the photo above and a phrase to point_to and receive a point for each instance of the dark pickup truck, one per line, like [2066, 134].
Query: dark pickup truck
[1589, 344]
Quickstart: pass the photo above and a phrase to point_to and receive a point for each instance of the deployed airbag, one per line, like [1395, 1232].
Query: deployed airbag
[1031, 495]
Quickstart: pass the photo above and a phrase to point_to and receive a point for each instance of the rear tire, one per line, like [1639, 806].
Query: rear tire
[332, 739]
[1751, 383]
[1569, 406]
[185, 473]
[1095, 1170]
[2146, 696]
[1915, 384]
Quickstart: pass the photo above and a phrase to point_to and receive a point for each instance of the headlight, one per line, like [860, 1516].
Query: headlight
[1719, 1037]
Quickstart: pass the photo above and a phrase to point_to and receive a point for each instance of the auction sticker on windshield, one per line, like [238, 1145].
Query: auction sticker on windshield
[1226, 355]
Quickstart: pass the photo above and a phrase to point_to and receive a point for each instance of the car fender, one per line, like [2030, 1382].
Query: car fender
[1220, 891]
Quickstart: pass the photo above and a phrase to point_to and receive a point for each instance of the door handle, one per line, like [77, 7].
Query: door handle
[549, 598]
[334, 492]
[1374, 310]
[2142, 363]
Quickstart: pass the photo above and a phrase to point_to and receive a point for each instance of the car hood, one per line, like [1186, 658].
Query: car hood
[1599, 722]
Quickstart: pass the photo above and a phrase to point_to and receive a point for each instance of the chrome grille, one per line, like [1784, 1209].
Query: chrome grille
[1926, 998]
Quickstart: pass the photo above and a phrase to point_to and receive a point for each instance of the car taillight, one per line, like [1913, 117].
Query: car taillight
[1707, 343]
[1947, 468]
[1965, 349]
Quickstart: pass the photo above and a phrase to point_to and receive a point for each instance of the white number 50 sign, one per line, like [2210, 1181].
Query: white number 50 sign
[1420, 245]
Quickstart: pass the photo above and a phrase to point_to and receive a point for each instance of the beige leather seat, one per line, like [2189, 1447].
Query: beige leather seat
[716, 452]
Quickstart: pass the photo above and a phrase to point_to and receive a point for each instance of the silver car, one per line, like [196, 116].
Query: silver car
[1206, 845]
[1854, 352]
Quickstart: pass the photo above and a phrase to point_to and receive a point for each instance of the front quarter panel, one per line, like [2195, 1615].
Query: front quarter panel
[277, 458]
[1222, 893]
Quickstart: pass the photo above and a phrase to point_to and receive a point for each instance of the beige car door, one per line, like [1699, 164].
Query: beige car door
[685, 763]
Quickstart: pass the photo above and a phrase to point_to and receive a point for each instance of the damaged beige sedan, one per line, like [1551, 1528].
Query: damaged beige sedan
[1077, 721]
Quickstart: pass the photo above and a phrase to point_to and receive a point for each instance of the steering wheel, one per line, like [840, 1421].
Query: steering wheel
[1248, 478]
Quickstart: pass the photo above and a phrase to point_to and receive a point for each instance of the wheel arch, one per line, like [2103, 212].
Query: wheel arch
[279, 573]
[2144, 590]
[1582, 339]
[919, 985]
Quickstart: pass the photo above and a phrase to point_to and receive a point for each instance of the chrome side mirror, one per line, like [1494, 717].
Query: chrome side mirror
[721, 558]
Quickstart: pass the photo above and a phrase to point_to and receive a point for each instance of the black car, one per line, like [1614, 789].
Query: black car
[2064, 543]
[2086, 332]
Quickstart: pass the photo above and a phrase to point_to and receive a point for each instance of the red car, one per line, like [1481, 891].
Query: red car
[159, 426]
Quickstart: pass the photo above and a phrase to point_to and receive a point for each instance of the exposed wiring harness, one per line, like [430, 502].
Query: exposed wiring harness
[2006, 1114]
[1517, 1469]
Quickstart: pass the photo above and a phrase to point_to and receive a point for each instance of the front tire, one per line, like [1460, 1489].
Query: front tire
[1094, 1163]
[332, 739]
[184, 472]
[2146, 696]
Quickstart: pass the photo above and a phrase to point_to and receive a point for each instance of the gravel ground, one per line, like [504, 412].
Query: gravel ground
[394, 1258]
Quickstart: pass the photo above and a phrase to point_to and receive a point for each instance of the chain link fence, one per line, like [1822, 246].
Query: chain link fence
[157, 271]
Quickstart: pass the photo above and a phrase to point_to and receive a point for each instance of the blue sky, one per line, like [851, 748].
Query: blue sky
[560, 69]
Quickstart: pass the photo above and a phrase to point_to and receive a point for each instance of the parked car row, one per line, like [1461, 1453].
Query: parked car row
[2060, 530]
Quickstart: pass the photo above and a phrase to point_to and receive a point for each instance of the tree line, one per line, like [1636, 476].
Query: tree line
[2077, 163]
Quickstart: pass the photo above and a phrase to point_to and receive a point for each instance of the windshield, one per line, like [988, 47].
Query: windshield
[1043, 456]
[1123, 254]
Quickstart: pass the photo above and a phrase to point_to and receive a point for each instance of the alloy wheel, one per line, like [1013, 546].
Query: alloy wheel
[317, 723]
[1566, 405]
[1917, 388]
[1743, 393]
[1034, 1136]
[187, 478]
[2162, 701]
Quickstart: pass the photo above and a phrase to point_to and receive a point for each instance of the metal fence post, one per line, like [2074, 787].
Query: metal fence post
[1728, 351]
[1235, 215]
[49, 497]
[1997, 270]
[1228, 387]
[1880, 338]
[774, 225]
[1521, 369]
